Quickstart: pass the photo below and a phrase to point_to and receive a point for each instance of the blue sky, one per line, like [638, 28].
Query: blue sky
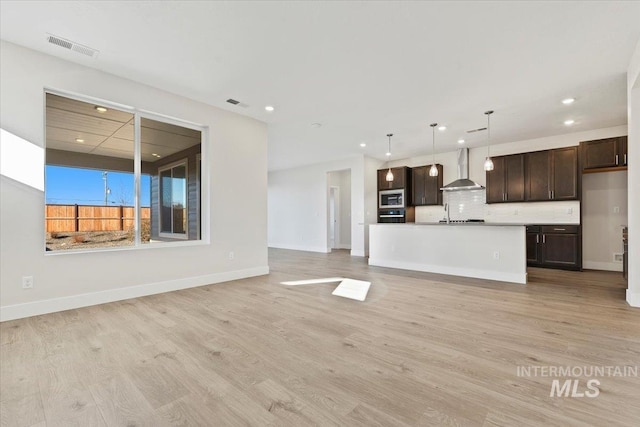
[65, 185]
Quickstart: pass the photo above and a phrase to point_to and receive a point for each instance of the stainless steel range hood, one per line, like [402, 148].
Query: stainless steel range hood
[463, 182]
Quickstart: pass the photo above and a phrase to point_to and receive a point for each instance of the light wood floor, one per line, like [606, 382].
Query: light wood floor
[423, 349]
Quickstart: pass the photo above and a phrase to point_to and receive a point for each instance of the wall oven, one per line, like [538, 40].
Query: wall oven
[393, 216]
[391, 199]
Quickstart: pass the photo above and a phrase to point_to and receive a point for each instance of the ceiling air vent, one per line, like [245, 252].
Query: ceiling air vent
[476, 130]
[68, 44]
[238, 103]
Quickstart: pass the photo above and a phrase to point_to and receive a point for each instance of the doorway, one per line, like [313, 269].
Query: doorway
[339, 210]
[334, 217]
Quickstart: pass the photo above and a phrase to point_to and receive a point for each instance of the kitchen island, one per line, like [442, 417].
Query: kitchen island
[480, 250]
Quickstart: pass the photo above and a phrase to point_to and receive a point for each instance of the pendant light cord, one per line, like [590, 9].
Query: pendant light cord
[433, 139]
[489, 113]
[489, 135]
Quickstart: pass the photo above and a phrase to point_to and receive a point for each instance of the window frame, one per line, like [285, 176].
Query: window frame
[199, 193]
[203, 236]
[183, 236]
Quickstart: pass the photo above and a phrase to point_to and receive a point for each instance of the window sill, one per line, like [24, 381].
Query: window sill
[142, 247]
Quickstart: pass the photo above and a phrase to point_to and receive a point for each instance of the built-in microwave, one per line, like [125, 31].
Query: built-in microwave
[391, 199]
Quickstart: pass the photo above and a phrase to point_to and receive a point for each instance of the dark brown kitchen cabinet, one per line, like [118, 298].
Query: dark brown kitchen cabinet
[554, 246]
[564, 174]
[552, 175]
[538, 176]
[623, 149]
[534, 250]
[401, 178]
[604, 154]
[505, 183]
[425, 189]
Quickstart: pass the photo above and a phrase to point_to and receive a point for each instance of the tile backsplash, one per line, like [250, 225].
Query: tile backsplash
[471, 205]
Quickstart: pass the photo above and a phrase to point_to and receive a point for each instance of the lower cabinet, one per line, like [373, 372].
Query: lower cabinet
[534, 250]
[554, 246]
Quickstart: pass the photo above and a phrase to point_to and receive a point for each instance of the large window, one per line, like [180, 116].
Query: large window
[115, 178]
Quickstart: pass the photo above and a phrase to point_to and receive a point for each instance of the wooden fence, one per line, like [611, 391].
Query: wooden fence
[68, 218]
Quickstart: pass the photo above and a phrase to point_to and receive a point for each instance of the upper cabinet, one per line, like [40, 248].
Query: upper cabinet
[609, 153]
[401, 178]
[425, 189]
[538, 176]
[505, 183]
[552, 175]
[564, 174]
[533, 177]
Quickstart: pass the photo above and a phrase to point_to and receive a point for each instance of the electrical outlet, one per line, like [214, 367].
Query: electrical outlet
[515, 212]
[616, 209]
[617, 257]
[496, 255]
[27, 282]
[569, 211]
[232, 255]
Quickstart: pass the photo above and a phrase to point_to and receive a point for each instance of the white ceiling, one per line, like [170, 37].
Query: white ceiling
[361, 69]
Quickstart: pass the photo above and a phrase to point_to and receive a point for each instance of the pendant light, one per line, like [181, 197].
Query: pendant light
[433, 171]
[389, 174]
[488, 163]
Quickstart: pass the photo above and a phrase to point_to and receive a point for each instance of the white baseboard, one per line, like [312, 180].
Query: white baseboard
[321, 249]
[343, 246]
[633, 298]
[464, 272]
[605, 266]
[35, 308]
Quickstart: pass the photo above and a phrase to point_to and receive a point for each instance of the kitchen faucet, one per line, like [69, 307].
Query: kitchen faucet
[446, 209]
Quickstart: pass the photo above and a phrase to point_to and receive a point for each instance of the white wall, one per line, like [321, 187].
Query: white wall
[633, 99]
[342, 180]
[371, 167]
[237, 158]
[297, 206]
[604, 213]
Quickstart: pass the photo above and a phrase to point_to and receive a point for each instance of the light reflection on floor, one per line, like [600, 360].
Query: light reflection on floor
[348, 288]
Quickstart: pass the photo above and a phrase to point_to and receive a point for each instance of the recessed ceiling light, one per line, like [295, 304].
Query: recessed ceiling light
[316, 125]
[269, 108]
[568, 101]
[569, 122]
[461, 141]
[442, 128]
[80, 140]
[101, 109]
[362, 144]
[388, 153]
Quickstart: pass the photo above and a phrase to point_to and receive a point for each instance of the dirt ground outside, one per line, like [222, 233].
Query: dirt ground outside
[57, 241]
[88, 240]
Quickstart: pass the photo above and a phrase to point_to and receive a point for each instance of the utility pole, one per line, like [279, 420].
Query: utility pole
[107, 190]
